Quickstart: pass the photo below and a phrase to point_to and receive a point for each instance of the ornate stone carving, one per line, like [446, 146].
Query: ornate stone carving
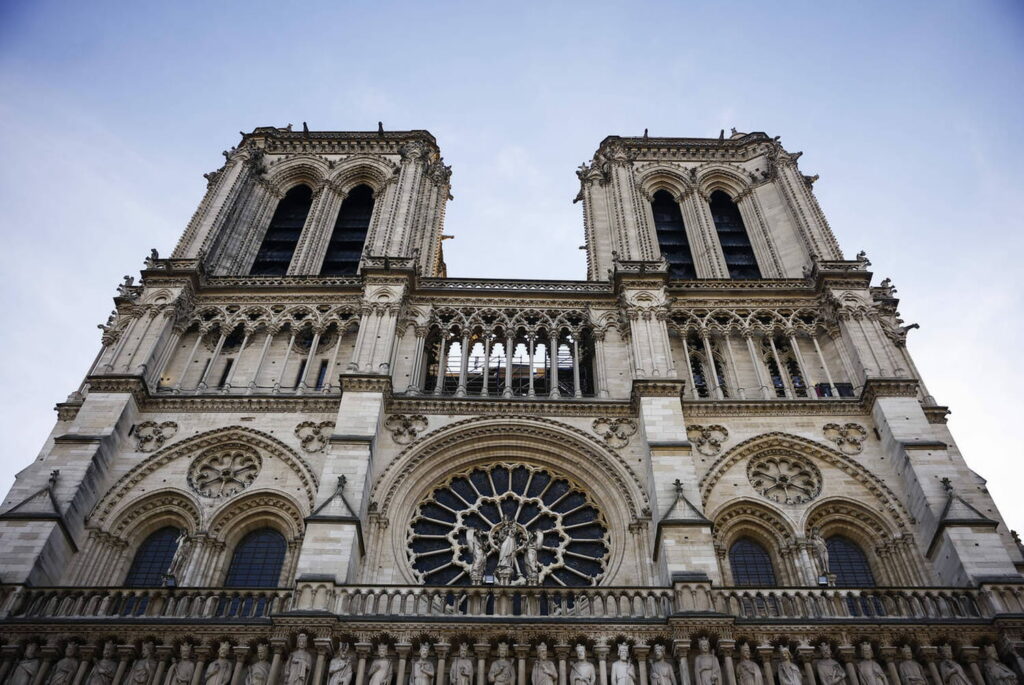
[788, 479]
[218, 671]
[405, 427]
[706, 669]
[299, 669]
[544, 671]
[224, 471]
[151, 436]
[582, 672]
[381, 669]
[830, 671]
[502, 671]
[615, 432]
[849, 437]
[25, 671]
[339, 671]
[312, 435]
[707, 439]
[623, 671]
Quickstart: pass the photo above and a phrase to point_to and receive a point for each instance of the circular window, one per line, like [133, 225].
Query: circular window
[508, 524]
[224, 471]
[784, 478]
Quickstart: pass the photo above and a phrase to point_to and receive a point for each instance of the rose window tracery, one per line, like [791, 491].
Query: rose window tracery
[508, 524]
[784, 478]
[224, 471]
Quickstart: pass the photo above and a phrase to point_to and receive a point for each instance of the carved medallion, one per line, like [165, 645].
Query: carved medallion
[784, 478]
[224, 471]
[616, 432]
[707, 439]
[313, 435]
[849, 437]
[151, 436]
[404, 429]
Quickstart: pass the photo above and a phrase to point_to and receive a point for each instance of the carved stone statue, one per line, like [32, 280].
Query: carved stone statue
[747, 672]
[623, 670]
[910, 671]
[544, 671]
[530, 560]
[380, 669]
[502, 672]
[582, 671]
[339, 671]
[507, 548]
[299, 669]
[180, 558]
[105, 668]
[788, 672]
[423, 668]
[25, 672]
[144, 667]
[218, 671]
[830, 671]
[183, 668]
[259, 671]
[869, 671]
[477, 542]
[461, 671]
[950, 671]
[63, 672]
[706, 669]
[996, 672]
[820, 552]
[661, 671]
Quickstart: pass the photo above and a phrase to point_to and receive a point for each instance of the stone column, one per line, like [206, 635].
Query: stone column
[487, 363]
[705, 336]
[303, 385]
[601, 652]
[125, 652]
[8, 655]
[888, 653]
[510, 348]
[846, 653]
[240, 652]
[641, 652]
[163, 656]
[928, 654]
[238, 362]
[362, 651]
[202, 655]
[970, 655]
[442, 363]
[259, 365]
[522, 651]
[278, 645]
[481, 649]
[562, 652]
[726, 649]
[553, 358]
[323, 648]
[601, 372]
[202, 385]
[765, 651]
[402, 649]
[577, 391]
[442, 648]
[531, 339]
[188, 360]
[828, 374]
[766, 392]
[681, 650]
[47, 655]
[460, 391]
[806, 655]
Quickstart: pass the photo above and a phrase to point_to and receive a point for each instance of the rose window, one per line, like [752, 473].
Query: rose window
[508, 524]
[224, 472]
[784, 478]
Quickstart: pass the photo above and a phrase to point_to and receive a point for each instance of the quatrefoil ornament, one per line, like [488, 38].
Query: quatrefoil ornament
[849, 437]
[616, 432]
[313, 436]
[404, 429]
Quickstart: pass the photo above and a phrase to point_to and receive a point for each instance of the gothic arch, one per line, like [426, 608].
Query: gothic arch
[158, 509]
[657, 177]
[255, 510]
[728, 178]
[298, 169]
[362, 169]
[784, 442]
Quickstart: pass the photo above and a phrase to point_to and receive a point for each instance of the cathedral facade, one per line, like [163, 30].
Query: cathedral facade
[304, 455]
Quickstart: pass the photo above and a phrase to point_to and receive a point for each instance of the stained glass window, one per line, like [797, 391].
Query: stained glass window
[847, 560]
[751, 565]
[153, 558]
[257, 560]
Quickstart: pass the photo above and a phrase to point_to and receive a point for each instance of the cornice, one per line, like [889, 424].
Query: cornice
[716, 408]
[419, 404]
[875, 388]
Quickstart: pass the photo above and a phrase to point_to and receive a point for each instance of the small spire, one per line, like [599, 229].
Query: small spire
[380, 128]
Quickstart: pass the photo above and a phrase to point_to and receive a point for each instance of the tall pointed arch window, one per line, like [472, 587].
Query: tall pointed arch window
[257, 560]
[153, 558]
[275, 254]
[349, 235]
[751, 566]
[849, 563]
[732, 235]
[675, 247]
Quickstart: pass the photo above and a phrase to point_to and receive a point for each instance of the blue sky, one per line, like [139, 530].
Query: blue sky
[909, 111]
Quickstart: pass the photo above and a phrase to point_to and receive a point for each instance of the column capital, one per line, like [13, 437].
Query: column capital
[969, 654]
[641, 651]
[522, 651]
[442, 649]
[363, 649]
[846, 653]
[680, 648]
[928, 653]
[726, 647]
[482, 650]
[562, 651]
[323, 645]
[240, 652]
[278, 643]
[402, 649]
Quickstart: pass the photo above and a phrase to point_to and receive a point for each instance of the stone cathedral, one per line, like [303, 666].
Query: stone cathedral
[305, 456]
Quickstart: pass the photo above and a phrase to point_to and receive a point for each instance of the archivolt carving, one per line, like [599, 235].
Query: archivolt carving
[734, 517]
[267, 445]
[227, 317]
[265, 504]
[660, 176]
[167, 503]
[732, 179]
[151, 435]
[295, 169]
[781, 443]
[359, 169]
[836, 514]
[775, 320]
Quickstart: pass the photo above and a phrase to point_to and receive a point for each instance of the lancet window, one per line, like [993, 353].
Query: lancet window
[787, 377]
[751, 565]
[671, 231]
[257, 560]
[153, 558]
[732, 236]
[849, 563]
[275, 254]
[346, 246]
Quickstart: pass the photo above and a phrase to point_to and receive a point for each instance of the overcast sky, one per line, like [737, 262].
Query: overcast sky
[911, 113]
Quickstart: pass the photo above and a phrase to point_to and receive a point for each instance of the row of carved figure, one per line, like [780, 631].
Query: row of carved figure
[301, 666]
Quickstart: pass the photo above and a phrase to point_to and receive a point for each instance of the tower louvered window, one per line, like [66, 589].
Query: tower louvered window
[732, 235]
[675, 248]
[346, 246]
[282, 235]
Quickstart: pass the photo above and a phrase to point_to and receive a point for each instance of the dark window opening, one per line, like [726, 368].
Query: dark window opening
[675, 247]
[797, 378]
[321, 375]
[751, 565]
[732, 236]
[346, 246]
[283, 233]
[257, 560]
[845, 389]
[225, 373]
[153, 558]
[301, 374]
[848, 562]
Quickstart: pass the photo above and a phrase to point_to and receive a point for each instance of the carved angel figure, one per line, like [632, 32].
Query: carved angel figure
[380, 670]
[747, 672]
[582, 672]
[706, 669]
[662, 672]
[339, 671]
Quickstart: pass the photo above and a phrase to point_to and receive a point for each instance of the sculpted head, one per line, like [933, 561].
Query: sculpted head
[424, 650]
[865, 651]
[69, 649]
[382, 650]
[659, 652]
[946, 651]
[502, 650]
[704, 645]
[826, 651]
[147, 649]
[542, 651]
[261, 651]
[301, 641]
[581, 652]
[744, 651]
[623, 651]
[784, 654]
[108, 650]
[990, 652]
[30, 650]
[463, 650]
[186, 650]
[907, 651]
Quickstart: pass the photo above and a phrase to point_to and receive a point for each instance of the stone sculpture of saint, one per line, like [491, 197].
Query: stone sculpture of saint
[661, 671]
[502, 672]
[706, 669]
[461, 671]
[25, 672]
[423, 668]
[478, 544]
[582, 672]
[63, 672]
[995, 670]
[820, 551]
[830, 672]
[507, 549]
[181, 553]
[183, 668]
[869, 671]
[259, 671]
[910, 671]
[339, 671]
[218, 671]
[950, 671]
[788, 672]
[380, 669]
[623, 670]
[143, 668]
[544, 671]
[300, 663]
[530, 560]
[747, 672]
[105, 668]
